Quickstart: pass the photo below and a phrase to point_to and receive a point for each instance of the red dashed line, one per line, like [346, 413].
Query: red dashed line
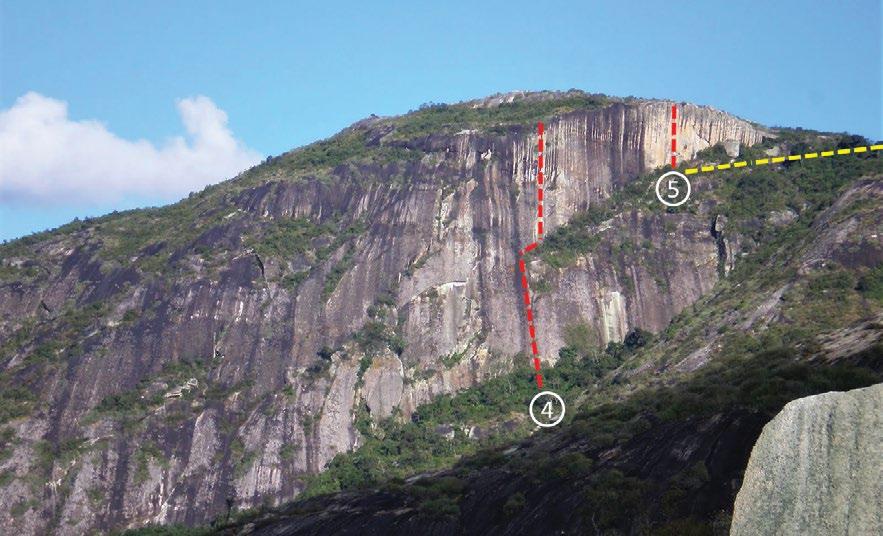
[530, 247]
[540, 147]
[674, 135]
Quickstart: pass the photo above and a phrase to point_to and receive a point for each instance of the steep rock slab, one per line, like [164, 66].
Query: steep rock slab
[437, 249]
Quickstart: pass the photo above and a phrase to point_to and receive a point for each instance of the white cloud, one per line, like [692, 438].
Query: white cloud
[47, 157]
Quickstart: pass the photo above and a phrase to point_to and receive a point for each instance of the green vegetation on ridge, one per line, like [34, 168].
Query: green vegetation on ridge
[447, 118]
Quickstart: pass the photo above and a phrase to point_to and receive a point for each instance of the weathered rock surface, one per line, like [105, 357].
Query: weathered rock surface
[440, 246]
[817, 468]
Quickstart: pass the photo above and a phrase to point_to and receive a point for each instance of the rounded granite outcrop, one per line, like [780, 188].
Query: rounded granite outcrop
[817, 468]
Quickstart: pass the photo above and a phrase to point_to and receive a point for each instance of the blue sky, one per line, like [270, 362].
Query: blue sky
[195, 80]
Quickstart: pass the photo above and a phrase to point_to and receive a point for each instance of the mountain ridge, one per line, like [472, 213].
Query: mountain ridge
[316, 297]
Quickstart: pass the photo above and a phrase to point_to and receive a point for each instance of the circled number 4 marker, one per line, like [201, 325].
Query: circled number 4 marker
[548, 410]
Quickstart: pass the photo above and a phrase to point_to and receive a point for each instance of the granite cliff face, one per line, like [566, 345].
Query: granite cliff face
[172, 364]
[659, 444]
[817, 468]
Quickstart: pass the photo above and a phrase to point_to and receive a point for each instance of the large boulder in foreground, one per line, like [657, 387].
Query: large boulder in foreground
[817, 468]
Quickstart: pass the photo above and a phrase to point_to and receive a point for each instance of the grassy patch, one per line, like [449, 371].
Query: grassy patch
[375, 336]
[288, 451]
[335, 275]
[6, 477]
[285, 238]
[167, 530]
[146, 452]
[16, 402]
[578, 237]
[871, 284]
[453, 358]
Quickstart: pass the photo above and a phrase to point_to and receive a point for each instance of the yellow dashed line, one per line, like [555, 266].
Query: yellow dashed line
[778, 159]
